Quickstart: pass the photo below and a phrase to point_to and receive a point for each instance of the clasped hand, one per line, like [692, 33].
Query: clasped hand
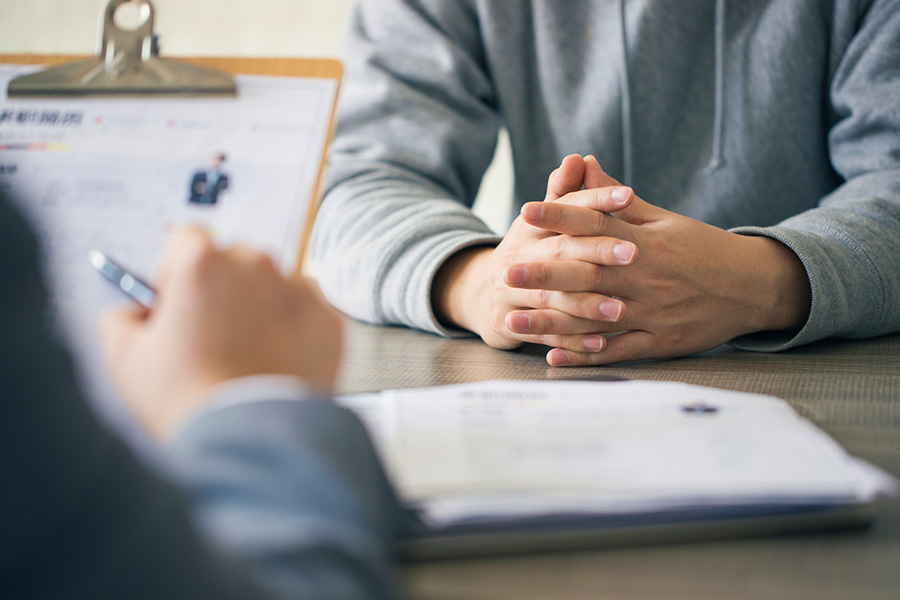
[602, 276]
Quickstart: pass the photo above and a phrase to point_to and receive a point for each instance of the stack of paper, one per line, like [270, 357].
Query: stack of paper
[501, 454]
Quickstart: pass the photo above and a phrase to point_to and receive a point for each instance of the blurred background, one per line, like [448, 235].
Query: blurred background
[265, 28]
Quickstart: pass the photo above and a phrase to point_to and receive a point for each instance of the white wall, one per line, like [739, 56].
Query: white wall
[223, 28]
[188, 27]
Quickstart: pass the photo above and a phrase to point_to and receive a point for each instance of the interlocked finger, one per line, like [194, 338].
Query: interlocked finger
[537, 324]
[584, 305]
[626, 347]
[574, 275]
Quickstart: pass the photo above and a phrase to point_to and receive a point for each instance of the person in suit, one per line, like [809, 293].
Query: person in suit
[207, 184]
[283, 482]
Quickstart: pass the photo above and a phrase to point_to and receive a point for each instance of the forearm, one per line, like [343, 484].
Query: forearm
[380, 239]
[299, 497]
[413, 141]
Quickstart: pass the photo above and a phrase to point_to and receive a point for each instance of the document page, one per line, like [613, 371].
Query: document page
[118, 174]
[511, 449]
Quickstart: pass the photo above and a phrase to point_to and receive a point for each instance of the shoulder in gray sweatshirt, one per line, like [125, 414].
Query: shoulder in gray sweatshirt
[768, 117]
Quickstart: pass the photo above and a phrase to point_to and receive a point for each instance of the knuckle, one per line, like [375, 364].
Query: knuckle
[542, 275]
[497, 320]
[264, 262]
[600, 222]
[599, 326]
[604, 201]
[674, 338]
[658, 245]
[577, 359]
[595, 277]
[197, 254]
[571, 342]
[505, 255]
[557, 247]
[547, 340]
[600, 248]
[255, 260]
[193, 242]
[623, 354]
[545, 321]
[499, 291]
[626, 352]
[586, 306]
[554, 215]
[544, 297]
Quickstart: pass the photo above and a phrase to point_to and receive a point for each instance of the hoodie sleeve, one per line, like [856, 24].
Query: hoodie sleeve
[417, 131]
[850, 243]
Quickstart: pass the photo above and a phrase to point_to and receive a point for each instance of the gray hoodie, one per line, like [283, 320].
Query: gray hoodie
[768, 117]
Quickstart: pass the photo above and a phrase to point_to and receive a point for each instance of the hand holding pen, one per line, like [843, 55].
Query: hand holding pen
[217, 315]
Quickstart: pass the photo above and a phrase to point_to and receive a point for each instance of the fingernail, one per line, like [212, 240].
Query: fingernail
[593, 343]
[624, 252]
[557, 357]
[519, 322]
[533, 211]
[517, 275]
[611, 309]
[621, 195]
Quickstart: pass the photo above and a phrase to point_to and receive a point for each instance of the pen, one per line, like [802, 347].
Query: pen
[132, 285]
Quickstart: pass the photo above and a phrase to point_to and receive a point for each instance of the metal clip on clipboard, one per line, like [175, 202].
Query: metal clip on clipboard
[128, 65]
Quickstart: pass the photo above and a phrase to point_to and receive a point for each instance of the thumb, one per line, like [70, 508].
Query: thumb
[595, 176]
[637, 212]
[118, 329]
[569, 177]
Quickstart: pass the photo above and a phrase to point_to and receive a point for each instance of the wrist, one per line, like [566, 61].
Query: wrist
[163, 420]
[248, 389]
[456, 287]
[784, 286]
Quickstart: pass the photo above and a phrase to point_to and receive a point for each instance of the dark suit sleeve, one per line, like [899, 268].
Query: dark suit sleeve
[313, 515]
[79, 518]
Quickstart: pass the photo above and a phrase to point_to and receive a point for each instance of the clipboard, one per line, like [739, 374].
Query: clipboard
[318, 68]
[78, 294]
[128, 65]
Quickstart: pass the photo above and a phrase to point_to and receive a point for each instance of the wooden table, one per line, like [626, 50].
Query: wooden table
[851, 389]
